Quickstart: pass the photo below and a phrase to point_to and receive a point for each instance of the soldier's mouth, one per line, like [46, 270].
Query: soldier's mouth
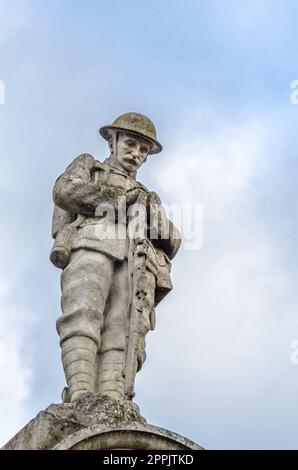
[131, 161]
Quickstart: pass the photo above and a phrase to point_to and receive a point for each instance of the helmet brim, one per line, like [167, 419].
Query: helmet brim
[107, 131]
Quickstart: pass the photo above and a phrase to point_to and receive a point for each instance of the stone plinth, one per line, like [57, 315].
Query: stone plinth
[95, 422]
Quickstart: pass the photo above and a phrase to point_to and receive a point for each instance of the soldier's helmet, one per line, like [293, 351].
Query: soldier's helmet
[136, 124]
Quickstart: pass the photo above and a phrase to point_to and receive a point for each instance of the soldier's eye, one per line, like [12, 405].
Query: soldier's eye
[130, 143]
[144, 149]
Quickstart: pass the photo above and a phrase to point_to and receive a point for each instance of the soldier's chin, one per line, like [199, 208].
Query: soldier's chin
[130, 166]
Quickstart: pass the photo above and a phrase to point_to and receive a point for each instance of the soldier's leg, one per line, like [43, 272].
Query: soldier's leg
[110, 379]
[85, 285]
[78, 359]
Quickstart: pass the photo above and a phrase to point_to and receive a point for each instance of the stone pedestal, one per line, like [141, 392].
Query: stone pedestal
[95, 422]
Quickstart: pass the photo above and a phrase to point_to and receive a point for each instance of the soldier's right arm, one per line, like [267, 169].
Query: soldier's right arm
[74, 190]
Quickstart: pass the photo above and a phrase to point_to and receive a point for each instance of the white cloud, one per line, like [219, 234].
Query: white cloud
[223, 336]
[219, 163]
[13, 16]
[14, 374]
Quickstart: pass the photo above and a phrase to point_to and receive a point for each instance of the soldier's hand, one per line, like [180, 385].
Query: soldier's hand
[111, 193]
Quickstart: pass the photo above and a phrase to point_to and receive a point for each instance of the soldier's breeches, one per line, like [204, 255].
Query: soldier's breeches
[85, 285]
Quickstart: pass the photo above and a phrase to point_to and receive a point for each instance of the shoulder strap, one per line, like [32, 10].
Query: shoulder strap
[100, 172]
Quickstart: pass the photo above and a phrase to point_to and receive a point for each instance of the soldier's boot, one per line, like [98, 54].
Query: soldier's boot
[110, 379]
[78, 359]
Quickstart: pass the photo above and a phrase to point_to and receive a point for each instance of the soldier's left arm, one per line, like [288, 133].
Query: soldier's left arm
[167, 236]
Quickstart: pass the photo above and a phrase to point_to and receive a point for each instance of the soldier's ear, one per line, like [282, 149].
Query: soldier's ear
[113, 143]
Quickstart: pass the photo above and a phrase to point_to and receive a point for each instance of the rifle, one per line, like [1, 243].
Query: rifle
[137, 278]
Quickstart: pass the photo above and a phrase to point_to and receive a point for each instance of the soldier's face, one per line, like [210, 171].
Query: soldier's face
[131, 152]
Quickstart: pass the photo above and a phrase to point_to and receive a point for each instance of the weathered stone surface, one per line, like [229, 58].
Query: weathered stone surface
[95, 422]
[126, 437]
[114, 242]
[61, 420]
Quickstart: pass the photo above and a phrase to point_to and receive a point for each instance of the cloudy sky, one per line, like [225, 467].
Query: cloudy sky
[215, 76]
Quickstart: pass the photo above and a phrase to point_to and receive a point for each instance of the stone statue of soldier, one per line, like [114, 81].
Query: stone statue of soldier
[110, 284]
